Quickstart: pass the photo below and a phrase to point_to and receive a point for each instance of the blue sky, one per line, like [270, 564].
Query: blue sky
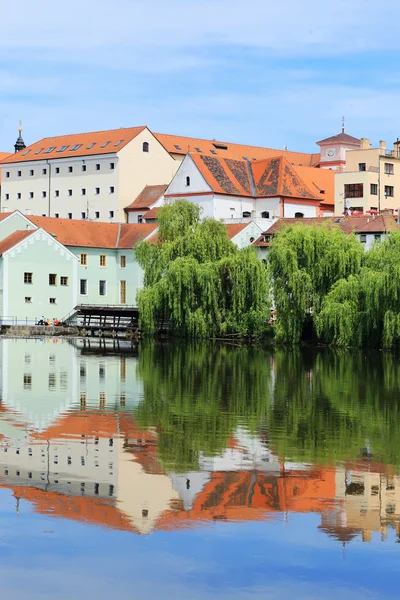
[261, 71]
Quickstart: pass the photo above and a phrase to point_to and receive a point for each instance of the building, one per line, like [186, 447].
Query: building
[333, 150]
[371, 180]
[151, 197]
[231, 189]
[86, 175]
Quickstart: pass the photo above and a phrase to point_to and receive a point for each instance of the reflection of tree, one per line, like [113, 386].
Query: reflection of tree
[317, 406]
[197, 394]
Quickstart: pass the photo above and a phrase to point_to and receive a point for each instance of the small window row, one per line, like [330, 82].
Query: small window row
[97, 192]
[53, 279]
[57, 170]
[84, 260]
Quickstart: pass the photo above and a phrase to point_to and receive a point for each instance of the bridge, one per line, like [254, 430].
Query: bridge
[104, 319]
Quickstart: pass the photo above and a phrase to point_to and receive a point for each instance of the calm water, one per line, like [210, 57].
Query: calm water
[197, 472]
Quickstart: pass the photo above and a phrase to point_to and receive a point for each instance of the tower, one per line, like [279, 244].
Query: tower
[333, 150]
[19, 144]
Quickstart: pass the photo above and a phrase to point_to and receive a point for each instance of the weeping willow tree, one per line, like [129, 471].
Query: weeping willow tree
[198, 281]
[364, 309]
[304, 262]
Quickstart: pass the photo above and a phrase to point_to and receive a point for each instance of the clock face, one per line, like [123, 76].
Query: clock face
[331, 152]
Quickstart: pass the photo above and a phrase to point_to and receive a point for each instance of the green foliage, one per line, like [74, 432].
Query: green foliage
[197, 280]
[304, 263]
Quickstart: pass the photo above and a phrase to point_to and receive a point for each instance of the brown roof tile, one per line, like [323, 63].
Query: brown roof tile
[234, 228]
[147, 197]
[13, 239]
[152, 213]
[86, 144]
[340, 137]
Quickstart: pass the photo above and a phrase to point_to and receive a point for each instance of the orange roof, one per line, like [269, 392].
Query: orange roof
[152, 213]
[3, 155]
[176, 144]
[277, 177]
[147, 197]
[94, 234]
[13, 239]
[76, 144]
[318, 181]
[234, 228]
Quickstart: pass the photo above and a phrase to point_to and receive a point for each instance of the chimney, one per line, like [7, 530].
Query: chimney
[365, 144]
[382, 146]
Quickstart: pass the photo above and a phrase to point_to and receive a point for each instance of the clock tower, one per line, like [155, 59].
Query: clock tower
[333, 150]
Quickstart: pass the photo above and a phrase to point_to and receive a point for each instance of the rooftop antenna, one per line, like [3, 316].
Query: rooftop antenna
[343, 121]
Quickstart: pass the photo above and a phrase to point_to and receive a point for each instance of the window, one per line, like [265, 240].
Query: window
[83, 192]
[102, 287]
[19, 173]
[28, 277]
[145, 146]
[118, 143]
[31, 194]
[28, 300]
[7, 196]
[39, 151]
[374, 189]
[389, 190]
[56, 193]
[97, 215]
[91, 146]
[354, 190]
[140, 218]
[389, 169]
[49, 150]
[70, 169]
[362, 166]
[246, 214]
[213, 152]
[84, 260]
[377, 236]
[31, 172]
[198, 149]
[122, 261]
[44, 194]
[69, 215]
[97, 166]
[7, 174]
[363, 238]
[103, 260]
[44, 171]
[18, 195]
[123, 292]
[111, 189]
[83, 215]
[57, 170]
[76, 147]
[62, 149]
[110, 214]
[97, 191]
[83, 287]
[57, 215]
[178, 147]
[52, 300]
[112, 166]
[187, 181]
[83, 168]
[265, 214]
[64, 280]
[69, 192]
[298, 215]
[52, 279]
[27, 382]
[105, 144]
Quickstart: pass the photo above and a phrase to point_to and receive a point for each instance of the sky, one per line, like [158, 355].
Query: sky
[263, 72]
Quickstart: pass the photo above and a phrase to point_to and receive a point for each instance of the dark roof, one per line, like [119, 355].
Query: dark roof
[341, 137]
[356, 224]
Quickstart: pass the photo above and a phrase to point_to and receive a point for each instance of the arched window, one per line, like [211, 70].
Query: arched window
[187, 181]
[298, 215]
[145, 146]
[265, 214]
[246, 214]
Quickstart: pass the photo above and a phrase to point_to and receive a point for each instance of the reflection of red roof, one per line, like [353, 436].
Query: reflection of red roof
[147, 197]
[13, 239]
[76, 144]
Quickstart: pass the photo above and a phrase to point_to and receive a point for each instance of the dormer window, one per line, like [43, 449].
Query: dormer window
[145, 146]
[246, 214]
[187, 181]
[265, 214]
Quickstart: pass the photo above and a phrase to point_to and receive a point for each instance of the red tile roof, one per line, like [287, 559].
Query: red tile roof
[176, 144]
[94, 234]
[152, 213]
[234, 228]
[341, 137]
[13, 239]
[147, 197]
[85, 144]
[356, 224]
[318, 181]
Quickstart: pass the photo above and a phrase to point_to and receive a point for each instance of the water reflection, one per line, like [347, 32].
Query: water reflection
[157, 437]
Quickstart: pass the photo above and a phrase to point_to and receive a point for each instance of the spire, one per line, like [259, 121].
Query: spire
[343, 124]
[19, 144]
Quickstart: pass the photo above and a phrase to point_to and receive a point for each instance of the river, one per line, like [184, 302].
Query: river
[197, 471]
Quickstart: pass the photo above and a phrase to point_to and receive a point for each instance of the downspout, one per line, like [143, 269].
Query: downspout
[49, 201]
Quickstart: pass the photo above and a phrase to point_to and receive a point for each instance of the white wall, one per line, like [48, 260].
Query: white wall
[197, 182]
[292, 209]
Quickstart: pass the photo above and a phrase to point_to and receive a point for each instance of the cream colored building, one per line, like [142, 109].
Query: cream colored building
[85, 176]
[371, 180]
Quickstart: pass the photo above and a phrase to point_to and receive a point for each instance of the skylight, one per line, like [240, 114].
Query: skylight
[220, 146]
[105, 144]
[75, 147]
[213, 152]
[38, 151]
[62, 148]
[26, 152]
[91, 145]
[177, 147]
[118, 143]
[198, 149]
[49, 150]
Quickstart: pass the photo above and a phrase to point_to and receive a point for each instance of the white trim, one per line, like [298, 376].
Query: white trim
[43, 236]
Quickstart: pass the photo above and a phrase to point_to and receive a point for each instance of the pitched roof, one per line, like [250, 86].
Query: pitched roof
[356, 224]
[341, 137]
[152, 213]
[147, 197]
[318, 181]
[76, 144]
[234, 228]
[13, 239]
[94, 234]
[176, 144]
[264, 178]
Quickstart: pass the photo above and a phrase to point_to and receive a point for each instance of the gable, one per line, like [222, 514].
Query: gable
[198, 183]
